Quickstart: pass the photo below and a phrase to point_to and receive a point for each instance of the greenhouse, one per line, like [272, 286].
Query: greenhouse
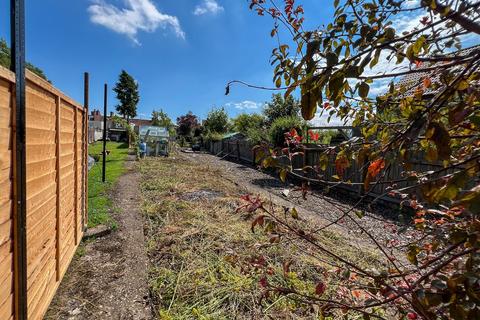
[155, 141]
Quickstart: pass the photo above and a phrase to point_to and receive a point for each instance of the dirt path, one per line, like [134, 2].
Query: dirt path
[108, 277]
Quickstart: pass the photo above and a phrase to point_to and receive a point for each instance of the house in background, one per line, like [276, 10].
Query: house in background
[95, 126]
[115, 132]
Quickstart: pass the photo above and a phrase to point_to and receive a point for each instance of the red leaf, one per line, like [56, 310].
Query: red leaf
[263, 282]
[412, 316]
[357, 293]
[286, 267]
[258, 220]
[427, 82]
[314, 136]
[320, 288]
[375, 167]
[418, 221]
[341, 163]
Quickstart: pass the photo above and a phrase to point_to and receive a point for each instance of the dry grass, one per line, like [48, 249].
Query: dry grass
[200, 249]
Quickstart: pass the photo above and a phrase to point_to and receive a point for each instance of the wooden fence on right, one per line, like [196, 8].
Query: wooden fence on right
[56, 151]
[241, 150]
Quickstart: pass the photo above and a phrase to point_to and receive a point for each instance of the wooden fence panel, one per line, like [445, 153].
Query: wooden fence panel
[79, 162]
[41, 195]
[67, 189]
[56, 190]
[6, 203]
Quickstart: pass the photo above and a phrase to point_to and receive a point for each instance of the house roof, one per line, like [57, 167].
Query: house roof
[141, 122]
[413, 80]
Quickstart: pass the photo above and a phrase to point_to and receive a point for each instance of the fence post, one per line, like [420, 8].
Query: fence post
[86, 78]
[104, 165]
[17, 30]
[238, 150]
[75, 177]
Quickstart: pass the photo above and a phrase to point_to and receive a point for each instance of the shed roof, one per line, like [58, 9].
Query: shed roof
[232, 135]
[154, 131]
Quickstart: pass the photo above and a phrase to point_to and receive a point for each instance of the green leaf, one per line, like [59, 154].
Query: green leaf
[417, 46]
[278, 83]
[309, 100]
[363, 90]
[332, 59]
[437, 133]
[412, 253]
[294, 213]
[463, 85]
[283, 175]
[360, 213]
[375, 59]
[323, 162]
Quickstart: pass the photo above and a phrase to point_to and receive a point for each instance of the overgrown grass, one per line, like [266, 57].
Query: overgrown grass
[100, 204]
[201, 250]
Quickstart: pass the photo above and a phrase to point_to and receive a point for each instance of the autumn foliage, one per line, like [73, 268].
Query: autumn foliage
[428, 112]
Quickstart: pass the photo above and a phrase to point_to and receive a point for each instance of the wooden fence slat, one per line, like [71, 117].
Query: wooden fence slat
[57, 170]
[75, 193]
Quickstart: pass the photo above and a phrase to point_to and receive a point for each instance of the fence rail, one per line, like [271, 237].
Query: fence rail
[56, 149]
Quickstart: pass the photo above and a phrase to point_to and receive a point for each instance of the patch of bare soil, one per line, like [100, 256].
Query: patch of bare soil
[108, 276]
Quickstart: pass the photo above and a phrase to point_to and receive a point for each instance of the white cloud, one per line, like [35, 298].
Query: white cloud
[245, 105]
[322, 120]
[137, 15]
[412, 3]
[208, 7]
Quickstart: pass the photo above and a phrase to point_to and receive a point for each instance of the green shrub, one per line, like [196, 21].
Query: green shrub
[282, 125]
[212, 136]
[257, 135]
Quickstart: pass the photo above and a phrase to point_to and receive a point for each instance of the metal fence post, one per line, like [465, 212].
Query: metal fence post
[17, 30]
[104, 165]
[86, 80]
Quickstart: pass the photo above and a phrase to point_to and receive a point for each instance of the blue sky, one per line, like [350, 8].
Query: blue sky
[182, 52]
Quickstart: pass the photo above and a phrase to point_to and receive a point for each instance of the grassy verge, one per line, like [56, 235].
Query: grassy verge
[99, 202]
[201, 250]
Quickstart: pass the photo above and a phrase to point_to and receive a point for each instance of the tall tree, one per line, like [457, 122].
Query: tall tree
[161, 119]
[217, 121]
[187, 124]
[5, 59]
[127, 94]
[245, 122]
[281, 107]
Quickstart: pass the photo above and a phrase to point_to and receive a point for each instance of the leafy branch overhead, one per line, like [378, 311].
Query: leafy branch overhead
[413, 93]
